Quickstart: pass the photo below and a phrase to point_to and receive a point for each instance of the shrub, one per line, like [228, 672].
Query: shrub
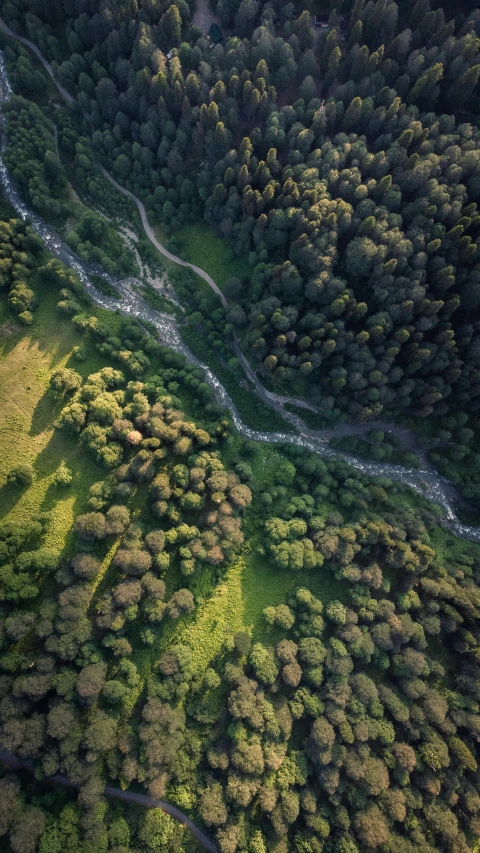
[22, 475]
[63, 477]
[91, 526]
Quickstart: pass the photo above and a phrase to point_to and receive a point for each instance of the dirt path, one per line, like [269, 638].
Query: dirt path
[426, 480]
[13, 763]
[153, 239]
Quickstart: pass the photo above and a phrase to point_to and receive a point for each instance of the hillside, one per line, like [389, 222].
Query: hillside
[221, 588]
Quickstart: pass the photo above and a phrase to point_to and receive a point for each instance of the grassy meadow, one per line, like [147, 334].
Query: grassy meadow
[201, 246]
[28, 357]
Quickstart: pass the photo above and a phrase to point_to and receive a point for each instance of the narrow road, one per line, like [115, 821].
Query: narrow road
[37, 52]
[426, 481]
[277, 400]
[141, 208]
[151, 236]
[13, 763]
[431, 485]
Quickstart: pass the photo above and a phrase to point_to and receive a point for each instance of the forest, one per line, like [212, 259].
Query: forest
[347, 720]
[341, 164]
[278, 644]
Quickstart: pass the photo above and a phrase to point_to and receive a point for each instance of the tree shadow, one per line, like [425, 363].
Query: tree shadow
[51, 497]
[51, 456]
[44, 413]
[10, 335]
[63, 449]
[9, 497]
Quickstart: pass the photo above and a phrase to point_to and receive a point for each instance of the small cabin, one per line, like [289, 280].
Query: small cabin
[321, 21]
[215, 34]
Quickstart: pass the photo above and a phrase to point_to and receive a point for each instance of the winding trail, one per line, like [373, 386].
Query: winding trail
[425, 481]
[14, 763]
[153, 239]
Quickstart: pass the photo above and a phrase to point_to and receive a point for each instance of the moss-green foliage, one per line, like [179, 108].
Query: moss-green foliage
[300, 673]
[96, 241]
[28, 412]
[26, 74]
[455, 454]
[311, 419]
[20, 249]
[7, 211]
[170, 650]
[85, 175]
[254, 412]
[32, 143]
[284, 171]
[32, 159]
[159, 301]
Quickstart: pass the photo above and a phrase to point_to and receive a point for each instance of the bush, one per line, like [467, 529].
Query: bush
[85, 566]
[22, 475]
[63, 477]
[91, 526]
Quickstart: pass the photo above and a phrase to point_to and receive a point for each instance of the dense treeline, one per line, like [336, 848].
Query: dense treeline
[339, 163]
[353, 724]
[379, 446]
[168, 512]
[32, 158]
[342, 733]
[345, 164]
[349, 723]
[19, 252]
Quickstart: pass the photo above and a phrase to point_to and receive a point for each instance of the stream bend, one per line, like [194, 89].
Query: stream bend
[425, 481]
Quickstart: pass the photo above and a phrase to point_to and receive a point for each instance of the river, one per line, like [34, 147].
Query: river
[425, 481]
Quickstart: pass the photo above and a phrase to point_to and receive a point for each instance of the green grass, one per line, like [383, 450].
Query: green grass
[199, 245]
[28, 358]
[235, 604]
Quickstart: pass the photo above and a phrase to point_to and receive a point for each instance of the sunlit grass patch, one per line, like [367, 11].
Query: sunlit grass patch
[201, 246]
[28, 357]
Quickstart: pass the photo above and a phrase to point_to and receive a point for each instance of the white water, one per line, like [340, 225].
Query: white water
[426, 481]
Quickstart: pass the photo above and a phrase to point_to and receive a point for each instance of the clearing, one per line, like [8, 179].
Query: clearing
[28, 357]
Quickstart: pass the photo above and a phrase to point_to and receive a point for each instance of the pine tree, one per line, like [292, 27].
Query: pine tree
[356, 12]
[356, 34]
[462, 90]
[424, 89]
[170, 27]
[374, 22]
[419, 11]
[351, 119]
[360, 63]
